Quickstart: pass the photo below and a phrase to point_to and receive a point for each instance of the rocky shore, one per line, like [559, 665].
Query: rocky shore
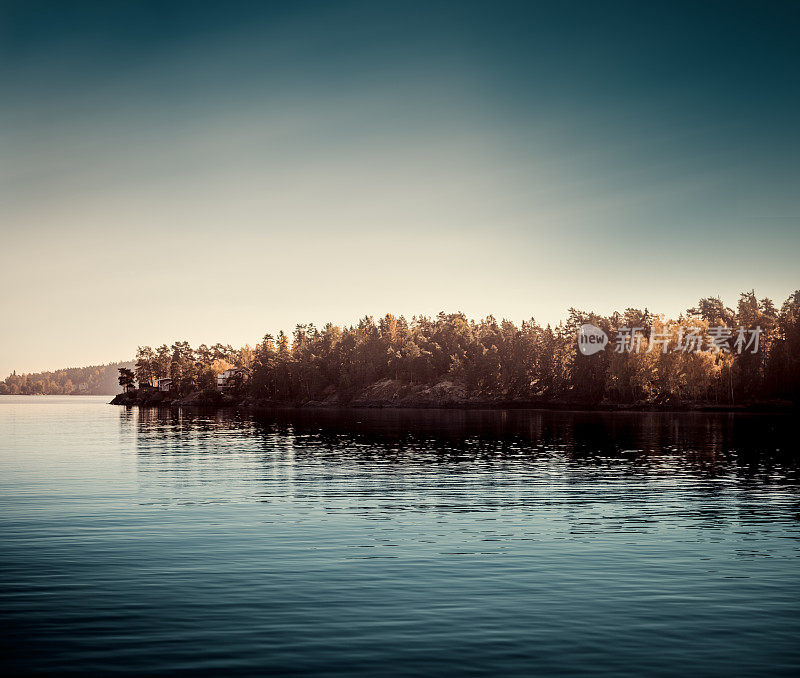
[154, 398]
[446, 394]
[385, 393]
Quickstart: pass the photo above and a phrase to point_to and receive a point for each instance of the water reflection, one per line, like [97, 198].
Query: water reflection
[762, 447]
[594, 473]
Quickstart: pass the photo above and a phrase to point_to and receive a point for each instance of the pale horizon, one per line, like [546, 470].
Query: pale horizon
[199, 338]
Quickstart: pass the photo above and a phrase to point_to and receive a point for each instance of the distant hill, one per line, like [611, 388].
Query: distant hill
[92, 380]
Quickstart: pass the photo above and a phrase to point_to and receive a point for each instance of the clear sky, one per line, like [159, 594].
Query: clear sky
[212, 171]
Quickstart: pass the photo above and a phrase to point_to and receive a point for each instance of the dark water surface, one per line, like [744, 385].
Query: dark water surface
[397, 542]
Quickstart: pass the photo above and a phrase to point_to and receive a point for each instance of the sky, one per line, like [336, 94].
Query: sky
[215, 171]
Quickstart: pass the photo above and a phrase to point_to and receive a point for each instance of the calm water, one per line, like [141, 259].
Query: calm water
[397, 543]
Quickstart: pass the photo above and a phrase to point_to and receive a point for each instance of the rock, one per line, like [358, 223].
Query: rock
[128, 399]
[394, 393]
[206, 398]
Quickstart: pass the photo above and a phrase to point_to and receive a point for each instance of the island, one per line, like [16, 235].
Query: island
[710, 357]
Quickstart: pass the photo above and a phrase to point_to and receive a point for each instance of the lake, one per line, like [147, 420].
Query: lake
[388, 542]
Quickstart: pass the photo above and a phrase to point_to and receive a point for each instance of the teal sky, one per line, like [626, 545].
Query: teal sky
[215, 171]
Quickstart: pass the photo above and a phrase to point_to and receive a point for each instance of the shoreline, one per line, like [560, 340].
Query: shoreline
[215, 400]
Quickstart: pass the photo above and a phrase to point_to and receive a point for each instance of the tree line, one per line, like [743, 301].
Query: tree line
[500, 360]
[92, 380]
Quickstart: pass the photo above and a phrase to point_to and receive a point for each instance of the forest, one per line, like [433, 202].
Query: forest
[486, 360]
[500, 361]
[93, 380]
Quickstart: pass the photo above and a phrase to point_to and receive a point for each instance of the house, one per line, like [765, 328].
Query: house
[232, 377]
[165, 384]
